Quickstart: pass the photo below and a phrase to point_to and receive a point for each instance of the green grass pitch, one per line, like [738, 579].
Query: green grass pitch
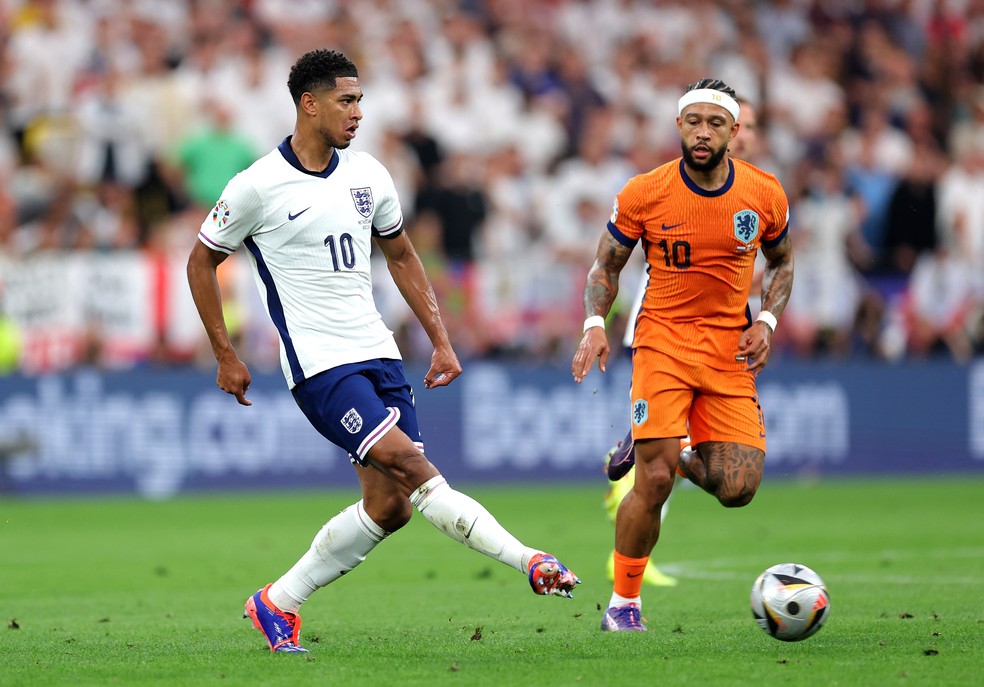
[113, 591]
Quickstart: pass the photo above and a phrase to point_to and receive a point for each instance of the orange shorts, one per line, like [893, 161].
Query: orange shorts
[673, 398]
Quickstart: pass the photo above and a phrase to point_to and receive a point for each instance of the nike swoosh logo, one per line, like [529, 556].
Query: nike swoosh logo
[667, 227]
[631, 575]
[291, 218]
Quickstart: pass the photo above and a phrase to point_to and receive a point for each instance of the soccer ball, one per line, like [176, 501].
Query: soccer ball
[790, 602]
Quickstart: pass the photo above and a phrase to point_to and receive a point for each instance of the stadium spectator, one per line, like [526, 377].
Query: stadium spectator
[258, 111]
[889, 148]
[960, 209]
[580, 92]
[802, 95]
[428, 150]
[531, 68]
[872, 185]
[43, 189]
[541, 140]
[823, 306]
[110, 147]
[44, 52]
[511, 256]
[109, 88]
[940, 300]
[783, 26]
[207, 158]
[460, 206]
[912, 213]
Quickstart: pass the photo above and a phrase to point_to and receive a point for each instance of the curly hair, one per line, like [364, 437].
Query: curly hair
[715, 84]
[317, 70]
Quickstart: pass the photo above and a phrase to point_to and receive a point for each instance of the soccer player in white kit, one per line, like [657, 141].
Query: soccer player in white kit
[307, 213]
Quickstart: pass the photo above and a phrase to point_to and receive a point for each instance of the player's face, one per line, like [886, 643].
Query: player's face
[705, 132]
[745, 143]
[339, 112]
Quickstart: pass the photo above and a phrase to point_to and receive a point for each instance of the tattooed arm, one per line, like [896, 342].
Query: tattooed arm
[599, 295]
[777, 283]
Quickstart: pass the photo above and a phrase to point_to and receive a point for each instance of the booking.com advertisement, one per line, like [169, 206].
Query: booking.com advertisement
[157, 434]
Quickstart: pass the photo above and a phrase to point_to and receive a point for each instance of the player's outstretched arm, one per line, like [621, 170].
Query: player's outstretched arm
[777, 283]
[409, 275]
[233, 376]
[599, 294]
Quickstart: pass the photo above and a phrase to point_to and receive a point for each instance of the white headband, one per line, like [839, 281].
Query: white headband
[711, 96]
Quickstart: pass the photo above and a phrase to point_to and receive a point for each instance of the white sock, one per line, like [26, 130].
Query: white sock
[342, 544]
[466, 521]
[617, 601]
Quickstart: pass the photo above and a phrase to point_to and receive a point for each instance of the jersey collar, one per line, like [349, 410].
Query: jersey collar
[704, 192]
[291, 158]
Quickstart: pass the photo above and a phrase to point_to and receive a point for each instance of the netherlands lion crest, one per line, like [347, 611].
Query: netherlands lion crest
[640, 412]
[362, 197]
[746, 225]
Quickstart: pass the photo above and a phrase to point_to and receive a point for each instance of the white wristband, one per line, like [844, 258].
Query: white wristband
[768, 318]
[594, 321]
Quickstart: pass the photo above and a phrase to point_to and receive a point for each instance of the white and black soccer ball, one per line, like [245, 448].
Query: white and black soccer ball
[790, 602]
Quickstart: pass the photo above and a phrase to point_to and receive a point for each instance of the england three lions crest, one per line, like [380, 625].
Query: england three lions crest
[362, 197]
[352, 421]
[746, 226]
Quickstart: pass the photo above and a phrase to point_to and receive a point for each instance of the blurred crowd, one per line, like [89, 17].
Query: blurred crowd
[508, 126]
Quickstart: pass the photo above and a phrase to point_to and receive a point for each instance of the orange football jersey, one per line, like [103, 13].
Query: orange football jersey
[700, 246]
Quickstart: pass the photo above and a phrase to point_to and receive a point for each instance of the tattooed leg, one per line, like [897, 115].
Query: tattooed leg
[731, 472]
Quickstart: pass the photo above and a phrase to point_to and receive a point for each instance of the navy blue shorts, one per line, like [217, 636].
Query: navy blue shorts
[354, 405]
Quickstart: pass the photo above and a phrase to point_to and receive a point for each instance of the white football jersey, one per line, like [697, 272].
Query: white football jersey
[308, 237]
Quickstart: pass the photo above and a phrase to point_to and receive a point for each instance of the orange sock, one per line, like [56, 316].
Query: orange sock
[628, 575]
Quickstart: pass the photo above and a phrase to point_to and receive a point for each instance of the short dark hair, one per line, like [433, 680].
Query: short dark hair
[715, 84]
[317, 70]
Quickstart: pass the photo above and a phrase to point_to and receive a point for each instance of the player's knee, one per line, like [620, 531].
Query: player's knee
[409, 468]
[736, 499]
[390, 511]
[662, 481]
[655, 488]
[396, 519]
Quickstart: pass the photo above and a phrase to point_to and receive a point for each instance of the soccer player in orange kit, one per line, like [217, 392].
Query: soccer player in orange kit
[620, 459]
[701, 219]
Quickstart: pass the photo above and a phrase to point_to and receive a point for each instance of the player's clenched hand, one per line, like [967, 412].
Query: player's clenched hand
[754, 346]
[444, 368]
[234, 378]
[593, 346]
